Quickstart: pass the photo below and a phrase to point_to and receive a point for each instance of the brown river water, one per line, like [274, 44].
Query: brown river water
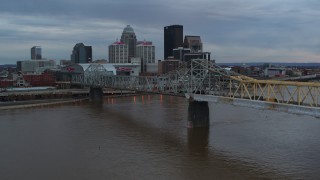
[147, 137]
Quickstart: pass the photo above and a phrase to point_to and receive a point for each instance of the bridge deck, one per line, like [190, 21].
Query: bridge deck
[206, 78]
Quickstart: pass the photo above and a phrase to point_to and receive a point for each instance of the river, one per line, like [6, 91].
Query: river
[146, 137]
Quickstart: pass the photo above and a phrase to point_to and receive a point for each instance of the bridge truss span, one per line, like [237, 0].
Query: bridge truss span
[203, 77]
[229, 84]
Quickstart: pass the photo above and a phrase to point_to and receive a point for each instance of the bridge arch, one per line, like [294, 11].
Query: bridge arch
[88, 74]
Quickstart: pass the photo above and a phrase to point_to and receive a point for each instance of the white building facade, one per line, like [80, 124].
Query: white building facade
[118, 53]
[146, 52]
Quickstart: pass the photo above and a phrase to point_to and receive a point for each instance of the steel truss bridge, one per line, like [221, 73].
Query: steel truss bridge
[203, 78]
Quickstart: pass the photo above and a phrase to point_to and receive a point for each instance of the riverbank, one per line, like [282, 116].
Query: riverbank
[70, 99]
[37, 103]
[47, 102]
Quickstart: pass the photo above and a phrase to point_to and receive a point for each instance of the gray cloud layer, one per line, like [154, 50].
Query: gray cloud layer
[233, 30]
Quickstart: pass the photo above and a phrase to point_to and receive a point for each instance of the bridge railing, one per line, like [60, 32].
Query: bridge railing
[298, 93]
[205, 77]
[221, 82]
[163, 84]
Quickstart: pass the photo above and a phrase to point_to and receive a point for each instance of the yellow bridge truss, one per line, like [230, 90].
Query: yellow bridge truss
[233, 85]
[205, 77]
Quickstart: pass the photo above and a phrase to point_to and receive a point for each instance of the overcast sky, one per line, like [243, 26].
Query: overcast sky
[232, 30]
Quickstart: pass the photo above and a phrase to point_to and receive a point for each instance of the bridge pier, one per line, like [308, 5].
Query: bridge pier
[198, 114]
[96, 94]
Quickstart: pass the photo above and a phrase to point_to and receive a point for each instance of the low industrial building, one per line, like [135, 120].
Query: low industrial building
[35, 67]
[274, 71]
[67, 73]
[74, 74]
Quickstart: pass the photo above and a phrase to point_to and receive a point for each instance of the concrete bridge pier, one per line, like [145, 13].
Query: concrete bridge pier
[96, 94]
[198, 114]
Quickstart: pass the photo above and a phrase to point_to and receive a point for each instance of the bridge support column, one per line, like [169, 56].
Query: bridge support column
[198, 114]
[96, 94]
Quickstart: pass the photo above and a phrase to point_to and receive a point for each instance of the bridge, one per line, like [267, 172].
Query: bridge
[301, 78]
[203, 81]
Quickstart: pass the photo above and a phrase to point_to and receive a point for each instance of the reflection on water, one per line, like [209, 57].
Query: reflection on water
[147, 137]
[198, 141]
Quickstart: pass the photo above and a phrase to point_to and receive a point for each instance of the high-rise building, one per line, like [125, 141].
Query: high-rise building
[196, 55]
[129, 38]
[144, 42]
[146, 51]
[193, 43]
[36, 53]
[179, 53]
[81, 54]
[168, 66]
[118, 52]
[173, 38]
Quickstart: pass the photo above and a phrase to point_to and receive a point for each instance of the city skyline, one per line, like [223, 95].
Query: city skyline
[233, 31]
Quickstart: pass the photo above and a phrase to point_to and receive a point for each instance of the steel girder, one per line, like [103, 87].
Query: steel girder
[204, 77]
[221, 82]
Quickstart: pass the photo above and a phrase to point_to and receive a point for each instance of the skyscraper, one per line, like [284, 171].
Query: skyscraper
[193, 43]
[36, 53]
[179, 53]
[173, 38]
[118, 52]
[81, 53]
[129, 38]
[146, 51]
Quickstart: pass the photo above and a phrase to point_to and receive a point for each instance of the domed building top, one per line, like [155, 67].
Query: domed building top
[128, 29]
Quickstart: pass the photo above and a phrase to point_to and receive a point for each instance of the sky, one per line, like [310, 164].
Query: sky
[232, 30]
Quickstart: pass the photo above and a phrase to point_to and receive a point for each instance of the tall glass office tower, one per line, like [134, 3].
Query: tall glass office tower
[129, 38]
[173, 38]
[36, 53]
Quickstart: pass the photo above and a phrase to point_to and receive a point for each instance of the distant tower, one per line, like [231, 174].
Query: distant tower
[36, 53]
[129, 38]
[81, 54]
[118, 52]
[173, 38]
[146, 51]
[193, 43]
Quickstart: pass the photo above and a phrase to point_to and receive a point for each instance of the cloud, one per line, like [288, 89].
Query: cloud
[256, 54]
[246, 30]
